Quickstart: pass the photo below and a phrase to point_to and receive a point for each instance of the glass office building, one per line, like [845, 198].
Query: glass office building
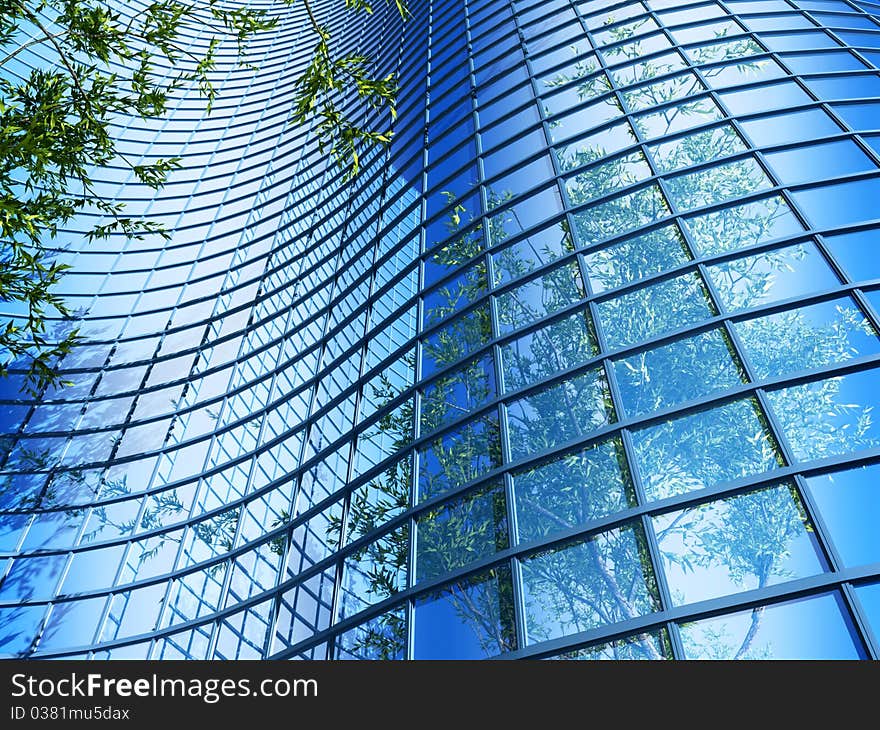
[584, 365]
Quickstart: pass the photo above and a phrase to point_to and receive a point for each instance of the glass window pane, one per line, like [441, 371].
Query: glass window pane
[806, 338]
[799, 126]
[589, 117]
[456, 394]
[849, 504]
[643, 70]
[382, 499]
[380, 638]
[782, 95]
[374, 572]
[838, 205]
[718, 183]
[471, 619]
[72, 624]
[522, 215]
[636, 258]
[559, 413]
[768, 276]
[660, 92]
[579, 586]
[595, 146]
[455, 340]
[21, 624]
[733, 50]
[459, 456]
[839, 87]
[540, 297]
[534, 250]
[677, 118]
[869, 597]
[460, 532]
[683, 370]
[817, 162]
[743, 225]
[704, 449]
[703, 146]
[653, 310]
[861, 116]
[857, 252]
[829, 417]
[650, 645]
[620, 215]
[811, 628]
[536, 356]
[737, 544]
[456, 294]
[570, 491]
[607, 177]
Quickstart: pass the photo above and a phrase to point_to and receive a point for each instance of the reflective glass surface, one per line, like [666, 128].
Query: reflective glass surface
[582, 365]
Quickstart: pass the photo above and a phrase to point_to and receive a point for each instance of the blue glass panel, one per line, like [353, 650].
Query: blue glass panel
[558, 413]
[620, 215]
[457, 393]
[636, 258]
[72, 624]
[807, 337]
[737, 544]
[819, 162]
[811, 628]
[782, 95]
[19, 624]
[383, 637]
[831, 206]
[554, 290]
[741, 226]
[607, 177]
[849, 504]
[860, 116]
[834, 88]
[696, 148]
[771, 275]
[810, 63]
[829, 417]
[654, 310]
[572, 490]
[686, 369]
[460, 532]
[869, 597]
[858, 253]
[537, 248]
[459, 456]
[470, 619]
[374, 572]
[558, 346]
[646, 646]
[798, 126]
[718, 183]
[582, 585]
[704, 449]
[455, 340]
[677, 118]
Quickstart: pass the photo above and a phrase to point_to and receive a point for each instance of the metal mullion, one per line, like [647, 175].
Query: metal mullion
[654, 552]
[861, 619]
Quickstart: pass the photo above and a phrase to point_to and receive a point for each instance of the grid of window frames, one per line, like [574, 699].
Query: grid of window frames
[582, 366]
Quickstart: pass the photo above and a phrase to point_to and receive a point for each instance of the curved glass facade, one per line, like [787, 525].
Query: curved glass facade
[582, 366]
